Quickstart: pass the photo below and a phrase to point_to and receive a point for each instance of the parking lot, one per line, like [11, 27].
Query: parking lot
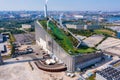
[23, 68]
[25, 38]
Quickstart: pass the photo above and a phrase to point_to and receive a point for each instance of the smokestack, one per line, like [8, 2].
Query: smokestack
[60, 19]
[45, 9]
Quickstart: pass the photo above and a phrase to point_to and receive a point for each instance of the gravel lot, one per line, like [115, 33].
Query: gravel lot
[20, 69]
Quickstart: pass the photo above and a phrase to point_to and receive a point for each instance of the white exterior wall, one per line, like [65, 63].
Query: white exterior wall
[71, 26]
[26, 26]
[85, 27]
[82, 27]
[43, 44]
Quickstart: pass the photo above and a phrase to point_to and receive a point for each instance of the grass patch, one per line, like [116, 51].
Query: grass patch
[6, 57]
[44, 23]
[105, 32]
[92, 77]
[88, 33]
[12, 40]
[88, 50]
[61, 38]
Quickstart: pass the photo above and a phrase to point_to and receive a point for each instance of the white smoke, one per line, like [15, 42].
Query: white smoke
[46, 1]
[60, 19]
[45, 8]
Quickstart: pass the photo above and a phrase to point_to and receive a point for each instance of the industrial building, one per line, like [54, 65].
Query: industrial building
[93, 40]
[26, 26]
[112, 72]
[73, 26]
[110, 46]
[82, 27]
[72, 62]
[109, 73]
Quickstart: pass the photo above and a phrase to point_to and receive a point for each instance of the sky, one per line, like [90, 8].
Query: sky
[61, 5]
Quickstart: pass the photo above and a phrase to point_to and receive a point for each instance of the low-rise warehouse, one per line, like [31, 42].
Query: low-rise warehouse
[93, 40]
[112, 72]
[110, 46]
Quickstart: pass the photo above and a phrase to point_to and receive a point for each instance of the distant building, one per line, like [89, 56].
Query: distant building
[2, 48]
[118, 34]
[82, 27]
[78, 16]
[114, 28]
[116, 23]
[1, 38]
[73, 26]
[24, 15]
[26, 26]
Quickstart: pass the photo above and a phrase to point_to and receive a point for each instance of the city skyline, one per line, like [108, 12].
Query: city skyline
[60, 5]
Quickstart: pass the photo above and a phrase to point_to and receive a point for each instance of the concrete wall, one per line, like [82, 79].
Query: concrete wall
[44, 39]
[1, 61]
[87, 63]
[83, 61]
